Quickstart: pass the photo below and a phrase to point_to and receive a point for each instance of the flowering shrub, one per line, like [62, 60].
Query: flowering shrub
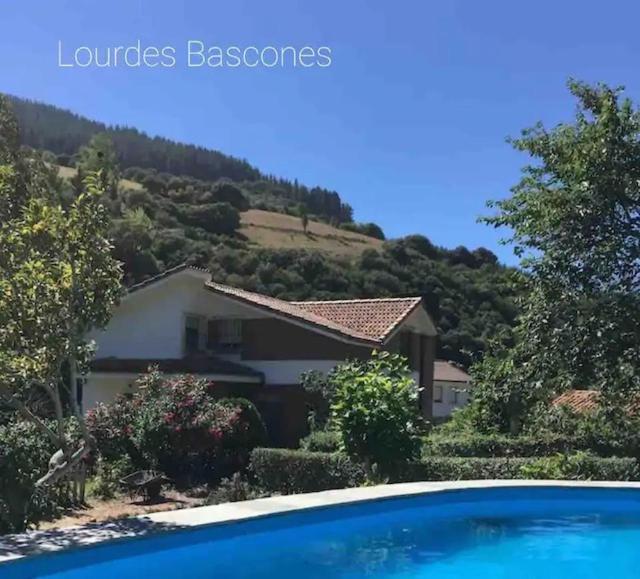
[177, 426]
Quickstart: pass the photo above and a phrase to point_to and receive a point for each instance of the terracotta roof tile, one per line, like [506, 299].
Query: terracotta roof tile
[578, 400]
[374, 318]
[587, 401]
[289, 309]
[445, 371]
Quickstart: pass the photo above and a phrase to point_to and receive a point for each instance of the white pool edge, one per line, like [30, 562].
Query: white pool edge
[32, 543]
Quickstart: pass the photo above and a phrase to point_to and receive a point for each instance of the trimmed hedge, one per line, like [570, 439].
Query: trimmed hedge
[299, 471]
[499, 445]
[296, 471]
[469, 468]
[494, 445]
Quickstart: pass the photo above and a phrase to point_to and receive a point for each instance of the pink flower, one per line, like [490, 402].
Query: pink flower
[216, 433]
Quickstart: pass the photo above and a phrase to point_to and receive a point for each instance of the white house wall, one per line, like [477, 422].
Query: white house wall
[448, 405]
[150, 323]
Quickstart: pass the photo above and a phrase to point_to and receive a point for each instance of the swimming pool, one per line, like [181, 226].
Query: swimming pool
[524, 532]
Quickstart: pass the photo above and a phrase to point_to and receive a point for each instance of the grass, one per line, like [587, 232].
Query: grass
[277, 230]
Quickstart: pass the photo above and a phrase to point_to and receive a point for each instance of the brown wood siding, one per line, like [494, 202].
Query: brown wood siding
[272, 339]
[428, 355]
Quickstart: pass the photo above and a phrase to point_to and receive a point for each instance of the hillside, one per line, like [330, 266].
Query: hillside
[63, 133]
[281, 231]
[248, 232]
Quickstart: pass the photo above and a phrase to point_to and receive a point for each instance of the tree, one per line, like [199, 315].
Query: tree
[575, 218]
[304, 218]
[57, 281]
[227, 192]
[98, 157]
[375, 410]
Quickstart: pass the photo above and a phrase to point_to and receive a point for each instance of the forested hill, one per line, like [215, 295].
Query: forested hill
[172, 203]
[62, 132]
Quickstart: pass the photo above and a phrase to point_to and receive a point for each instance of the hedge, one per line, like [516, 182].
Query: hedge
[499, 445]
[299, 471]
[469, 468]
[295, 471]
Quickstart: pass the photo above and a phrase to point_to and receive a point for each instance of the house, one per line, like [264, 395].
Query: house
[451, 388]
[253, 345]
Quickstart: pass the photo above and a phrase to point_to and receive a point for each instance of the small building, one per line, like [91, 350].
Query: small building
[451, 388]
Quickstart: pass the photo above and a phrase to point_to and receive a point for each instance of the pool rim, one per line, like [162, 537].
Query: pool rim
[36, 544]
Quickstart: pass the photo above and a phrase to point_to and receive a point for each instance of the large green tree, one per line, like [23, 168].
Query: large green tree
[58, 280]
[575, 222]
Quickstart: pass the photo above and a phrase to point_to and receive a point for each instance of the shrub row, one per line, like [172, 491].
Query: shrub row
[493, 445]
[295, 471]
[499, 445]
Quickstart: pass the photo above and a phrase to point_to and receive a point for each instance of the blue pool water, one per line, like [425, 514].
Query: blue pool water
[547, 533]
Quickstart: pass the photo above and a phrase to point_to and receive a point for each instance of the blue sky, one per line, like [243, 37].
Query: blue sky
[408, 123]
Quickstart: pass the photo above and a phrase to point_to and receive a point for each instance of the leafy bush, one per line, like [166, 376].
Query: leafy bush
[24, 456]
[298, 471]
[177, 426]
[212, 217]
[473, 468]
[375, 409]
[105, 484]
[321, 441]
[369, 229]
[486, 445]
[581, 466]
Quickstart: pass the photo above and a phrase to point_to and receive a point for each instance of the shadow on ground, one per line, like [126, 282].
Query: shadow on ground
[39, 542]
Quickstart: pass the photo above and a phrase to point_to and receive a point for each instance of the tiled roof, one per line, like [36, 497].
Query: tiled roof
[444, 371]
[578, 400]
[371, 332]
[368, 321]
[188, 365]
[588, 400]
[375, 318]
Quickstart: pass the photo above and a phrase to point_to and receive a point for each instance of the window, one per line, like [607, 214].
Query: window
[192, 334]
[224, 333]
[437, 393]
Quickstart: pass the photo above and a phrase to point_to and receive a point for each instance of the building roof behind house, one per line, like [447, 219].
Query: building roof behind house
[445, 371]
[374, 318]
[578, 400]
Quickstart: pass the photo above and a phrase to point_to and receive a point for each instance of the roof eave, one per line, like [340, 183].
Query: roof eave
[301, 321]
